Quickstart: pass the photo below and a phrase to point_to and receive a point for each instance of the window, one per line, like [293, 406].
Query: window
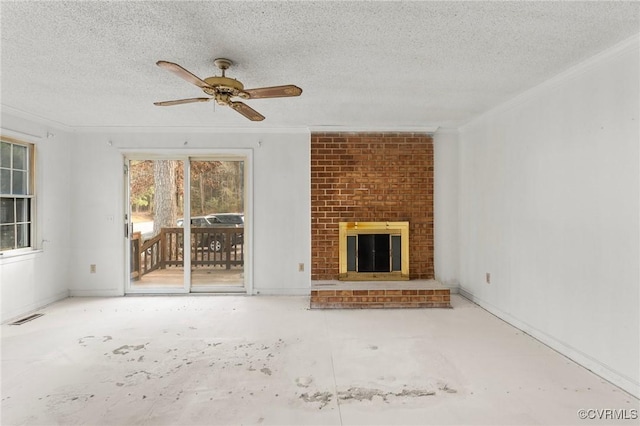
[16, 194]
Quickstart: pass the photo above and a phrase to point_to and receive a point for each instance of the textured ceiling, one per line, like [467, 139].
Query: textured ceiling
[360, 64]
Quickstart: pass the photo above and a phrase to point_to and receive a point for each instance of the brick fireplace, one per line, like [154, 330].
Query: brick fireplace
[372, 177]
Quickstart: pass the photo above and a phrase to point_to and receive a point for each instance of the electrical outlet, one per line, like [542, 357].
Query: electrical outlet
[92, 268]
[300, 267]
[488, 278]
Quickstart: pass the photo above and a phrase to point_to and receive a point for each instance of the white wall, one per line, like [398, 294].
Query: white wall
[280, 212]
[81, 209]
[282, 215]
[41, 277]
[549, 205]
[445, 204]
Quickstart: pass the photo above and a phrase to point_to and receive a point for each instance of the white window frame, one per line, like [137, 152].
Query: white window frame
[31, 196]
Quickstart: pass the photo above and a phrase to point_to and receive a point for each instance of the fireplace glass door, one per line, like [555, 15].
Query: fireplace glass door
[374, 253]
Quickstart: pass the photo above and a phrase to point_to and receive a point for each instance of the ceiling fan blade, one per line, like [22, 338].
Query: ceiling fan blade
[274, 92]
[247, 111]
[182, 101]
[182, 73]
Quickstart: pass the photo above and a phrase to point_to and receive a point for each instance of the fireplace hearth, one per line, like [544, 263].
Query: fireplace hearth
[379, 295]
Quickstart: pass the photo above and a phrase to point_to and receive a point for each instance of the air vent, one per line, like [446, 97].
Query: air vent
[26, 319]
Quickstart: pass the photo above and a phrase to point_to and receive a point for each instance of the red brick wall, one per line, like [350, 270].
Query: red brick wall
[372, 177]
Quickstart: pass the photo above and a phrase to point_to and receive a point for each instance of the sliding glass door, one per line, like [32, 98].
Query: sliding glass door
[185, 224]
[217, 214]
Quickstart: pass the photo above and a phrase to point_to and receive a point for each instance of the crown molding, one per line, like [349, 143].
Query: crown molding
[373, 129]
[190, 130]
[52, 124]
[18, 134]
[447, 131]
[43, 121]
[630, 44]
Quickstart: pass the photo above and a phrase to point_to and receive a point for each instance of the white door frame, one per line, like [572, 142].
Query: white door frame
[186, 155]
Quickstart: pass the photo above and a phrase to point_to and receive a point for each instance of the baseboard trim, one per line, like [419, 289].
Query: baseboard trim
[35, 306]
[111, 292]
[453, 290]
[618, 379]
[282, 291]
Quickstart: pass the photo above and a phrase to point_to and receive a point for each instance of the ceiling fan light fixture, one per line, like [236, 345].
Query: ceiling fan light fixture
[222, 89]
[222, 99]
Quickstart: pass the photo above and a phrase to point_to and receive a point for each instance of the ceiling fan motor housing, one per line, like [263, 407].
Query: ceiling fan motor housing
[225, 85]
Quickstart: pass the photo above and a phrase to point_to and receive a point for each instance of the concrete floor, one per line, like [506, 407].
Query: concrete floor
[269, 360]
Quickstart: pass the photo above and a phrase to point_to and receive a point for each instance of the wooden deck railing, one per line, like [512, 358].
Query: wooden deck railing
[134, 267]
[222, 247]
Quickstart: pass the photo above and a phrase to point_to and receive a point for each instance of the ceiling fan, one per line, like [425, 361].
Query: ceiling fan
[223, 89]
